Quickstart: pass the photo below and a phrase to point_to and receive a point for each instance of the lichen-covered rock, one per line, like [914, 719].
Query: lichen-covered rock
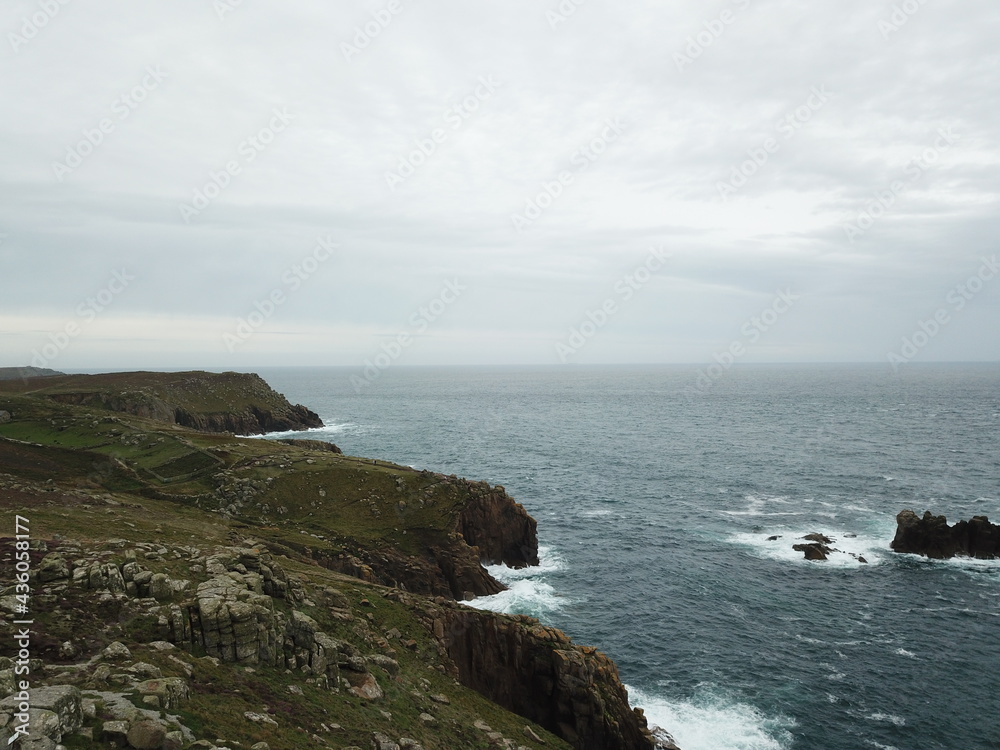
[236, 624]
[65, 701]
[53, 567]
[171, 691]
[117, 651]
[146, 735]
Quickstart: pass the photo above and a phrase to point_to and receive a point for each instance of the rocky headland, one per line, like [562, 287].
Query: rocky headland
[191, 589]
[240, 403]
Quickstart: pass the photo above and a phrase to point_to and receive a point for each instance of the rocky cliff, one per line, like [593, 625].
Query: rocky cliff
[539, 673]
[501, 529]
[931, 536]
[237, 550]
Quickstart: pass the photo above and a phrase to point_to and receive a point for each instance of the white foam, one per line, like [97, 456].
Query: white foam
[899, 721]
[524, 597]
[846, 552]
[528, 592]
[332, 428]
[904, 652]
[596, 513]
[549, 561]
[971, 566]
[712, 721]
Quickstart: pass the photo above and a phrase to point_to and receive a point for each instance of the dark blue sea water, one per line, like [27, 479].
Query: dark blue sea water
[654, 504]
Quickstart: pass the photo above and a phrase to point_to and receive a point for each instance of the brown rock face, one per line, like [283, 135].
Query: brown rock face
[932, 537]
[538, 673]
[490, 528]
[453, 572]
[500, 527]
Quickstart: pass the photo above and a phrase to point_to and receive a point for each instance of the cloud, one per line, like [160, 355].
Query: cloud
[149, 109]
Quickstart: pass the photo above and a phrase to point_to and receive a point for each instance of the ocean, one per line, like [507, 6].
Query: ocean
[655, 503]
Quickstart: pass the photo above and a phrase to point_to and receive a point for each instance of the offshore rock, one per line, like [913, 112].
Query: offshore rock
[932, 537]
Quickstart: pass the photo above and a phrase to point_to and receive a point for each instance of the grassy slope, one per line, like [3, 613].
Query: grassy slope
[84, 475]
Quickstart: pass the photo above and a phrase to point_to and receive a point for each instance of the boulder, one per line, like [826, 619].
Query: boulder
[146, 735]
[365, 686]
[159, 587]
[931, 536]
[65, 701]
[117, 651]
[53, 567]
[55, 711]
[171, 691]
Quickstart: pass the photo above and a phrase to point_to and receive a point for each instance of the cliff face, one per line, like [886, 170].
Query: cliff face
[537, 672]
[933, 537]
[501, 528]
[450, 571]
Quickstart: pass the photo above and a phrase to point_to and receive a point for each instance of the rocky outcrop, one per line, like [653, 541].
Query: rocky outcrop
[253, 420]
[931, 536]
[500, 527]
[313, 445]
[491, 528]
[539, 673]
[453, 571]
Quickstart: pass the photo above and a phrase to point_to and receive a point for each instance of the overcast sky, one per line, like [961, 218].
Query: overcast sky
[505, 182]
